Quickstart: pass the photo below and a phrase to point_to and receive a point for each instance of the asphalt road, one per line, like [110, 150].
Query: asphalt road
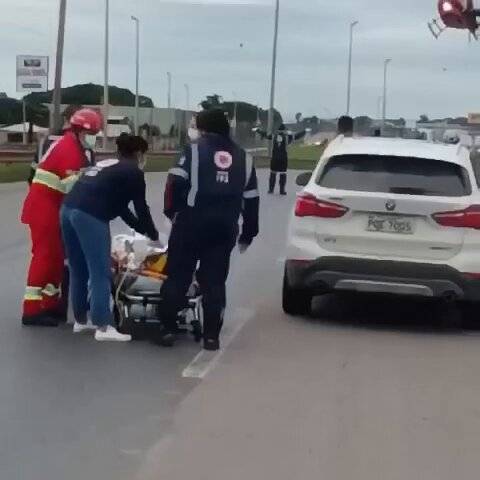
[366, 390]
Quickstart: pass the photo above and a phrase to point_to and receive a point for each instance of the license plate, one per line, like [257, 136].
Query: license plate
[390, 224]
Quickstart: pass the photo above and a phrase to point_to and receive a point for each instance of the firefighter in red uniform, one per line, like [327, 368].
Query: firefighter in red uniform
[56, 173]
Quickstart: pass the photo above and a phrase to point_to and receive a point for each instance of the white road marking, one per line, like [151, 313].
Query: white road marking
[205, 361]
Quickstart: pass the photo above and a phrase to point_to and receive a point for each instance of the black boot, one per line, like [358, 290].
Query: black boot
[40, 320]
[211, 344]
[283, 183]
[272, 182]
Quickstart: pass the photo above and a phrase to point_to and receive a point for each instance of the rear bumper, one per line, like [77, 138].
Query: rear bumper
[384, 277]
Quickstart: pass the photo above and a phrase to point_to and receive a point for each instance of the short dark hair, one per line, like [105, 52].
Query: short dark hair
[128, 145]
[345, 125]
[214, 121]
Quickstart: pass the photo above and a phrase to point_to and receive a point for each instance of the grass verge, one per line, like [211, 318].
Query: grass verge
[301, 158]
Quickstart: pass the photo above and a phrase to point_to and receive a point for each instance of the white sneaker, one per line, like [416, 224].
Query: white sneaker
[111, 335]
[83, 327]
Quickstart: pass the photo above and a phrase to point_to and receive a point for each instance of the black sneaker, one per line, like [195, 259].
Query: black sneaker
[270, 192]
[40, 320]
[283, 193]
[211, 344]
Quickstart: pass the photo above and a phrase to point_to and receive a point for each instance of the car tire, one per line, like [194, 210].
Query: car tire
[295, 301]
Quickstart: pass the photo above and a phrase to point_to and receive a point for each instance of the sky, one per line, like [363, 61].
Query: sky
[200, 43]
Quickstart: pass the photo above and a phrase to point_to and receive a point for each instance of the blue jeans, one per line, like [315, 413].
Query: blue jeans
[87, 244]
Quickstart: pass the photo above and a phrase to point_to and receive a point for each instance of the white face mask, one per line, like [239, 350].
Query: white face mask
[193, 134]
[90, 141]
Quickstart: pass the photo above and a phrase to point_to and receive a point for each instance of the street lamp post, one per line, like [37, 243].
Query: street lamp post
[274, 73]
[57, 92]
[169, 99]
[106, 99]
[187, 96]
[137, 75]
[350, 55]
[384, 106]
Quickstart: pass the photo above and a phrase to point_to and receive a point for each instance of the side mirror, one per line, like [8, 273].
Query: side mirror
[304, 178]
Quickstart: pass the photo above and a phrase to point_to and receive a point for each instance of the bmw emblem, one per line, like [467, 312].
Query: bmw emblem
[391, 205]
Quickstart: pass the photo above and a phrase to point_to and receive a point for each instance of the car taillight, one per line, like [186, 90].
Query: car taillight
[468, 218]
[309, 206]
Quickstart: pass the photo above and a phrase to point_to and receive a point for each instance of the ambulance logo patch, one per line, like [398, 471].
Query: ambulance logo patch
[223, 160]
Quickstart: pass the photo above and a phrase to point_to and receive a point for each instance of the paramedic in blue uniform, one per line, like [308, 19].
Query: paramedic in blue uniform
[211, 186]
[279, 163]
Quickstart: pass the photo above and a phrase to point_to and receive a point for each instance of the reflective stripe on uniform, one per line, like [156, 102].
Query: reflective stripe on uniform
[33, 294]
[51, 291]
[48, 179]
[192, 195]
[251, 194]
[178, 172]
[249, 168]
[69, 182]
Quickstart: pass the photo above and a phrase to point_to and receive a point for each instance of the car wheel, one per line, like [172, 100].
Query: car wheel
[295, 301]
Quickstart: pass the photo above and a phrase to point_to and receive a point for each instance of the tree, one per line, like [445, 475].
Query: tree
[298, 117]
[212, 101]
[424, 118]
[311, 121]
[90, 94]
[246, 112]
[11, 113]
[363, 124]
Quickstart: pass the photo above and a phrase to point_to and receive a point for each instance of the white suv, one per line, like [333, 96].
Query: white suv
[388, 216]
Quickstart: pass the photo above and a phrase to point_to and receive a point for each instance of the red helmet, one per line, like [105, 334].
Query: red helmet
[87, 120]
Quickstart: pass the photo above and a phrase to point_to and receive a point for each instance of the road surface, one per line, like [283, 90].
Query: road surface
[365, 391]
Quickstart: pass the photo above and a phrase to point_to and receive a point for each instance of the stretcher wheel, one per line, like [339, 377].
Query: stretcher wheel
[123, 321]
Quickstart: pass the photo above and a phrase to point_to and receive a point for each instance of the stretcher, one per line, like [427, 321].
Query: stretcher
[139, 271]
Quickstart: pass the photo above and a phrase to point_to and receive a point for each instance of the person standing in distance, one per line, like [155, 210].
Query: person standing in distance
[211, 186]
[279, 163]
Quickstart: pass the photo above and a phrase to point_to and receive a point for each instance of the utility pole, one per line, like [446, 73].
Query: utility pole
[271, 112]
[384, 110]
[106, 99]
[137, 76]
[57, 123]
[187, 93]
[350, 55]
[169, 99]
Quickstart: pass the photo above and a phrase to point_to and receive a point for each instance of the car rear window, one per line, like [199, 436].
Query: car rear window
[392, 174]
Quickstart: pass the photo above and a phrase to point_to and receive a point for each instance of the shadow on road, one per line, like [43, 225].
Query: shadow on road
[394, 314]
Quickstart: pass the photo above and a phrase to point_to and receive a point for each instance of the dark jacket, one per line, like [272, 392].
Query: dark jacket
[216, 181]
[105, 191]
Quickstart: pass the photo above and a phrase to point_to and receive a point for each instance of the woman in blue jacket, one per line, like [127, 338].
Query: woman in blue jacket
[101, 195]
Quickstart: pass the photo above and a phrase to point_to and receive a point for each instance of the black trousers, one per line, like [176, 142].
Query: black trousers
[273, 181]
[210, 246]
